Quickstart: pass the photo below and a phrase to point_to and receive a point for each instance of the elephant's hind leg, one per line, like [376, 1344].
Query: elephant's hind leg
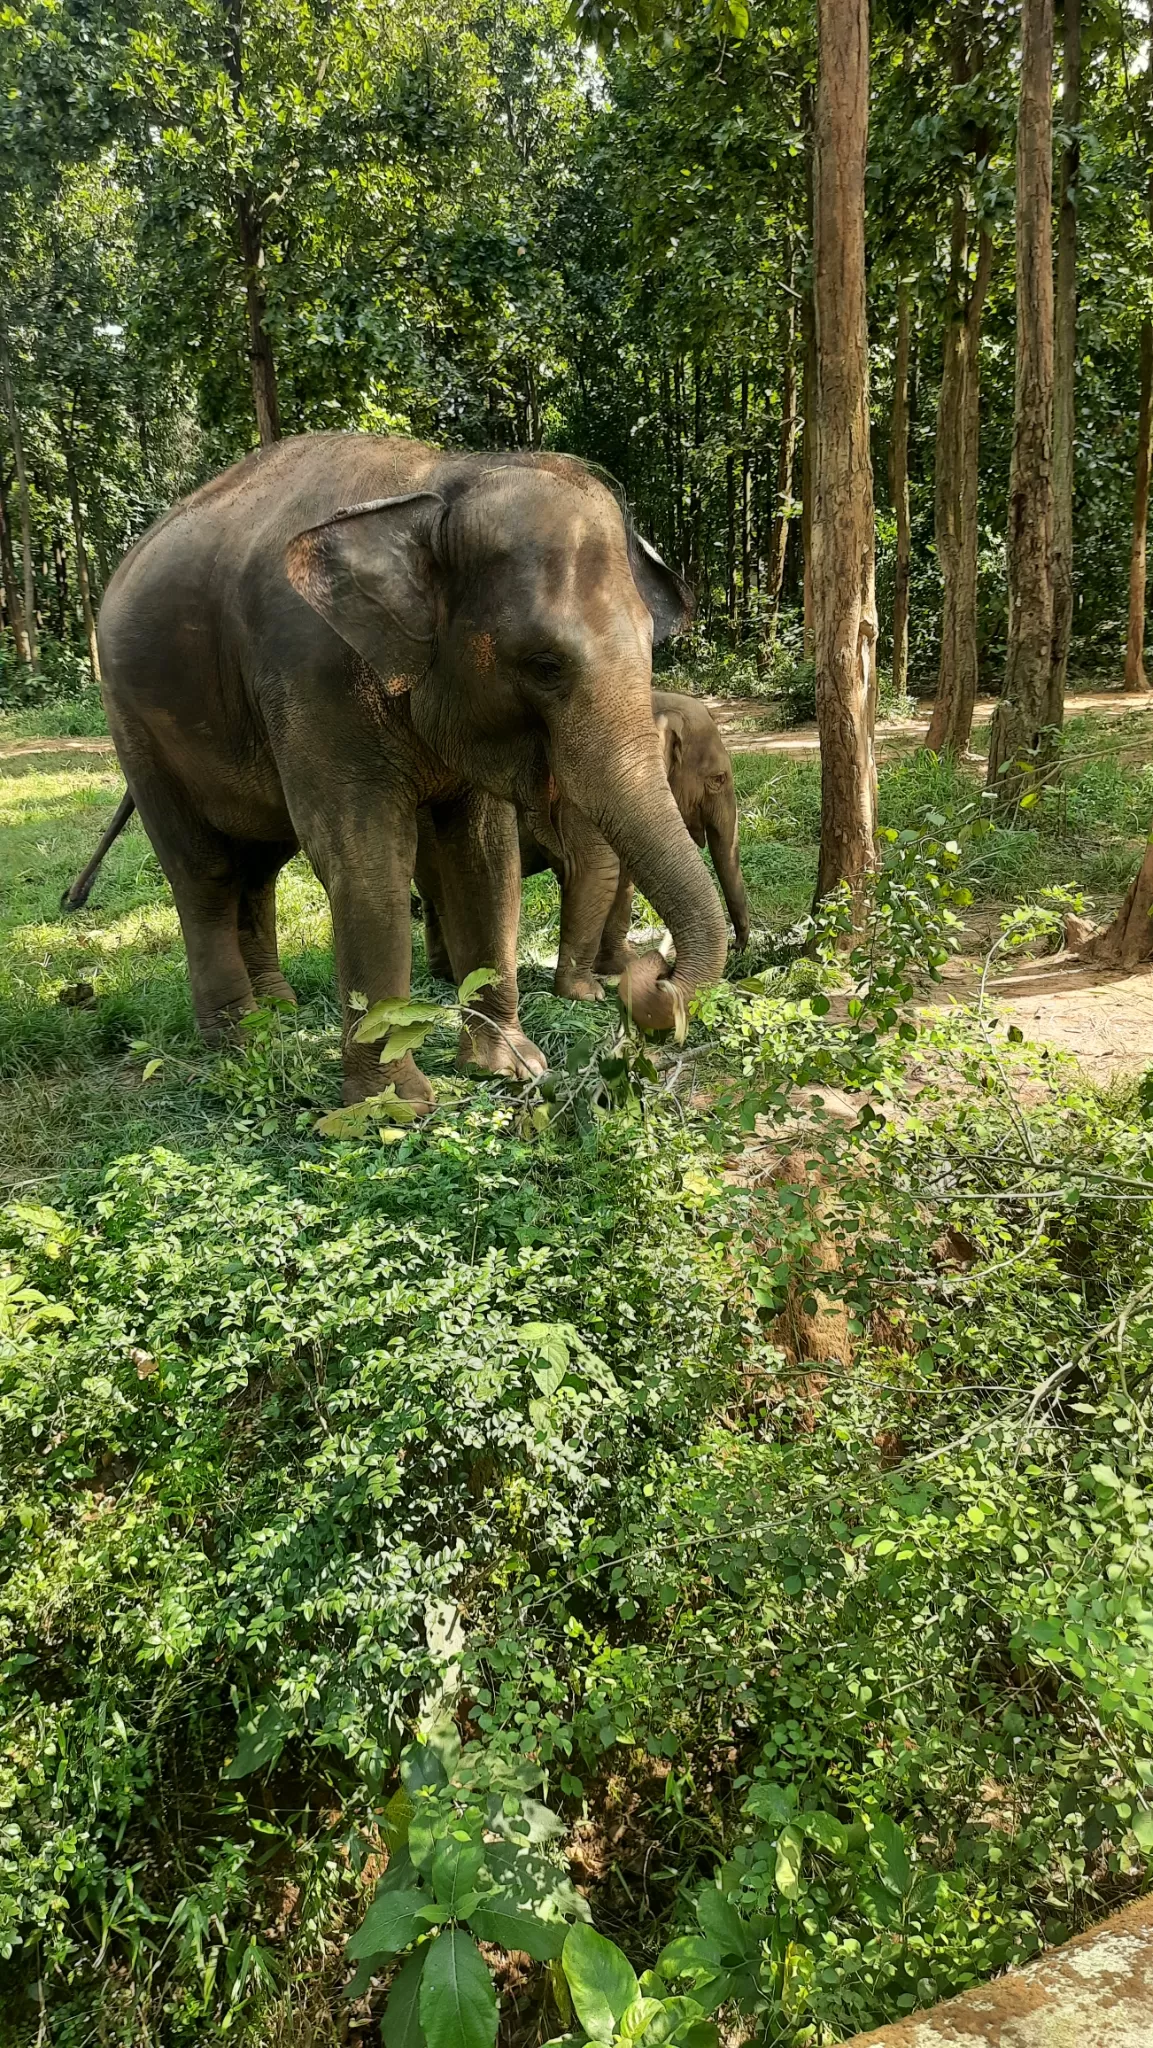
[256, 922]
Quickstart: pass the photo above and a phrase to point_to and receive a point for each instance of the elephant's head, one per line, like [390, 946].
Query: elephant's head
[700, 774]
[513, 604]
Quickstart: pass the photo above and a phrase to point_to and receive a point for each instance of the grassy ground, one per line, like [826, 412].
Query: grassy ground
[794, 1582]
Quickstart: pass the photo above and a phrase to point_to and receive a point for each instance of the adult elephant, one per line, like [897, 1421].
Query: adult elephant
[596, 890]
[343, 628]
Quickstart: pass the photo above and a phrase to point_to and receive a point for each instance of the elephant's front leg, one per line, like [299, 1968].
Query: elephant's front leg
[366, 865]
[479, 905]
[615, 951]
[589, 880]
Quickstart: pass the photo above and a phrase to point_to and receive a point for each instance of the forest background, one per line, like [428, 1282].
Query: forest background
[221, 223]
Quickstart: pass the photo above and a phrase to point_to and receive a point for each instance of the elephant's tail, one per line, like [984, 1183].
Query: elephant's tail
[78, 893]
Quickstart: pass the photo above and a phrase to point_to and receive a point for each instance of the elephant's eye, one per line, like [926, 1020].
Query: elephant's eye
[715, 781]
[544, 667]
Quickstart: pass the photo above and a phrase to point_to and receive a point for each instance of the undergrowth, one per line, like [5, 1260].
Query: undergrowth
[831, 1659]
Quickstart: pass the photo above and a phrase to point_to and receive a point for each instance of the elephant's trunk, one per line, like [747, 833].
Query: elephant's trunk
[724, 846]
[626, 794]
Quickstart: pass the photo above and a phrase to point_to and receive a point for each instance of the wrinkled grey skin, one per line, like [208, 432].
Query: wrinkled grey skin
[596, 892]
[473, 634]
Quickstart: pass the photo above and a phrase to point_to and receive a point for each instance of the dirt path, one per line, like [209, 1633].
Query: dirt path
[748, 722]
[1104, 1020]
[14, 750]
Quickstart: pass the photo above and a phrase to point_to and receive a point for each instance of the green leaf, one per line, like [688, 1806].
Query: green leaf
[481, 977]
[787, 1875]
[688, 1955]
[405, 1038]
[390, 1924]
[396, 1820]
[550, 1342]
[420, 1766]
[637, 2019]
[261, 1741]
[602, 1981]
[455, 1868]
[458, 2007]
[400, 2027]
[394, 1014]
[1142, 1826]
[532, 1823]
[773, 1803]
[359, 1117]
[888, 1847]
[822, 1828]
[723, 1925]
[400, 1875]
[500, 1919]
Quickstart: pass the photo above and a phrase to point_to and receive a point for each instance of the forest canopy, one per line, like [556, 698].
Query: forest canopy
[225, 221]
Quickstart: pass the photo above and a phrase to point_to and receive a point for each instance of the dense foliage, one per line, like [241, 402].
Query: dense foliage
[768, 1509]
[467, 225]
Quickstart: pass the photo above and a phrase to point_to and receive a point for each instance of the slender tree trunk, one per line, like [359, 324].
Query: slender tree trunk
[13, 601]
[265, 394]
[16, 437]
[899, 488]
[957, 482]
[60, 571]
[786, 458]
[1064, 365]
[1021, 714]
[1135, 676]
[82, 577]
[844, 598]
[746, 516]
[808, 378]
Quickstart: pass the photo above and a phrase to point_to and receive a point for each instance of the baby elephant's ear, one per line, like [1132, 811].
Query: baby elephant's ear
[370, 572]
[666, 594]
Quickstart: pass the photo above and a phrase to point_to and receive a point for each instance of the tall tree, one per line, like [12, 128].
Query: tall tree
[957, 460]
[843, 585]
[16, 437]
[786, 458]
[1022, 712]
[1065, 361]
[1135, 676]
[899, 492]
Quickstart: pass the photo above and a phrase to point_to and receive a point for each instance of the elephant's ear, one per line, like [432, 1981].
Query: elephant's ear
[666, 594]
[671, 731]
[369, 571]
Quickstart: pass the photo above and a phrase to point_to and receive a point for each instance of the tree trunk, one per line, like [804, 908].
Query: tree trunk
[899, 488]
[265, 395]
[1064, 365]
[808, 377]
[60, 571]
[844, 598]
[13, 602]
[1128, 941]
[81, 562]
[17, 439]
[786, 457]
[746, 519]
[957, 482]
[1022, 712]
[1135, 676]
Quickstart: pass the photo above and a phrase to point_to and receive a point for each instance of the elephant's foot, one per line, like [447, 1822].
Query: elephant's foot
[499, 1049]
[439, 965]
[220, 1026]
[577, 985]
[613, 961]
[364, 1078]
[273, 988]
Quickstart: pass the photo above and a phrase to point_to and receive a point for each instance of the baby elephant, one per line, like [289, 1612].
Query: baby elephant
[596, 892]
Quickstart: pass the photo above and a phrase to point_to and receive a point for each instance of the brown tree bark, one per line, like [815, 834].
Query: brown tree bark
[1135, 676]
[1128, 941]
[1064, 364]
[956, 484]
[13, 600]
[265, 391]
[843, 590]
[82, 577]
[786, 458]
[1018, 736]
[899, 489]
[16, 437]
